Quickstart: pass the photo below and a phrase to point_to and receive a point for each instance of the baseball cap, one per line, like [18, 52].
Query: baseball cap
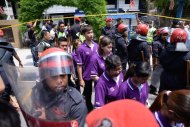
[108, 19]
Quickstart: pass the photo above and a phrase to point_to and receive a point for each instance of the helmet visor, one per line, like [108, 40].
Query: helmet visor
[54, 65]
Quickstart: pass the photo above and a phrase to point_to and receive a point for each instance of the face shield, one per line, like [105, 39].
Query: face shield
[55, 64]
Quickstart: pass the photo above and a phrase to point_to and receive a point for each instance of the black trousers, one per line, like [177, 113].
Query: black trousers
[87, 93]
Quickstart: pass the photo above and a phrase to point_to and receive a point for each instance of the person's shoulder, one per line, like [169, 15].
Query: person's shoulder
[101, 81]
[75, 95]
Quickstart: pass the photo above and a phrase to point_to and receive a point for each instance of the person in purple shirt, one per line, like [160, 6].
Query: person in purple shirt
[171, 108]
[97, 60]
[84, 54]
[107, 87]
[135, 85]
[76, 44]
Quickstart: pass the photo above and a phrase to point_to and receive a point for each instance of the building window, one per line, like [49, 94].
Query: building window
[111, 2]
[127, 1]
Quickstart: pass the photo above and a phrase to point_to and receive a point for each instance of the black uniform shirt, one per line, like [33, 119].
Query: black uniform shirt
[134, 50]
[64, 105]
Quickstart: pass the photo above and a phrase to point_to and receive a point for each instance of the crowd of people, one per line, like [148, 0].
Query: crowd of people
[118, 67]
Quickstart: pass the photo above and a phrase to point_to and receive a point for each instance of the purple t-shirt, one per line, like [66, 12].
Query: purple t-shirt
[107, 89]
[84, 54]
[74, 55]
[161, 120]
[129, 91]
[98, 65]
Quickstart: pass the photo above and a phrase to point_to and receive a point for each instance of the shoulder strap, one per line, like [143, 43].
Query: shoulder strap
[75, 95]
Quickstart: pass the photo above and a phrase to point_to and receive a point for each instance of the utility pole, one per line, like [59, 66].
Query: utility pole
[117, 6]
[8, 12]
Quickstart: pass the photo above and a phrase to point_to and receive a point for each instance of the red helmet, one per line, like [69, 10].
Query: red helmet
[178, 35]
[54, 62]
[142, 29]
[121, 28]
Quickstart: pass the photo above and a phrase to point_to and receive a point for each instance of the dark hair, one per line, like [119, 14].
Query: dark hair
[60, 39]
[43, 33]
[177, 101]
[140, 69]
[82, 19]
[75, 43]
[104, 41]
[61, 22]
[112, 62]
[119, 19]
[54, 25]
[86, 28]
[9, 116]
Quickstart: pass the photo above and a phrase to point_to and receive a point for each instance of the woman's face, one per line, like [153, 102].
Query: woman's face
[140, 80]
[56, 83]
[107, 49]
[115, 71]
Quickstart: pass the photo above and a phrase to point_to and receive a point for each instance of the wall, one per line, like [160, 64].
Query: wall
[12, 34]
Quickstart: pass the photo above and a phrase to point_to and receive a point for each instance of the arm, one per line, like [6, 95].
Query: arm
[78, 109]
[79, 70]
[146, 52]
[138, 20]
[94, 70]
[99, 95]
[17, 57]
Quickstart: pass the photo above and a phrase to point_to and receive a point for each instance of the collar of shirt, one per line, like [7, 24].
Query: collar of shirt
[133, 87]
[116, 79]
[161, 120]
[90, 46]
[108, 78]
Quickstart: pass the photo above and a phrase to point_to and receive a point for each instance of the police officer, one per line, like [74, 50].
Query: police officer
[75, 29]
[120, 46]
[109, 29]
[173, 61]
[7, 53]
[157, 47]
[138, 48]
[52, 97]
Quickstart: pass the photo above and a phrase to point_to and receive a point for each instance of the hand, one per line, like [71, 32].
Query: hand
[82, 83]
[20, 64]
[40, 113]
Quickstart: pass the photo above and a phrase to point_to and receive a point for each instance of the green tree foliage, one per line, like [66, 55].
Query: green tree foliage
[33, 9]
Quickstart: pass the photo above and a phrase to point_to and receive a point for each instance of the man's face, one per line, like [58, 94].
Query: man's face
[57, 83]
[47, 36]
[89, 35]
[64, 45]
[109, 24]
[62, 27]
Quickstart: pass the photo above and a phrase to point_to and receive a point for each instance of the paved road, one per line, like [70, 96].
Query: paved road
[26, 58]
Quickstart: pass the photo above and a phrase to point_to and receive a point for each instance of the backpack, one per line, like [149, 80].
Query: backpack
[26, 40]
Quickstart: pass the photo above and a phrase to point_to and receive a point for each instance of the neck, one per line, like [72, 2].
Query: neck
[107, 73]
[89, 42]
[134, 81]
